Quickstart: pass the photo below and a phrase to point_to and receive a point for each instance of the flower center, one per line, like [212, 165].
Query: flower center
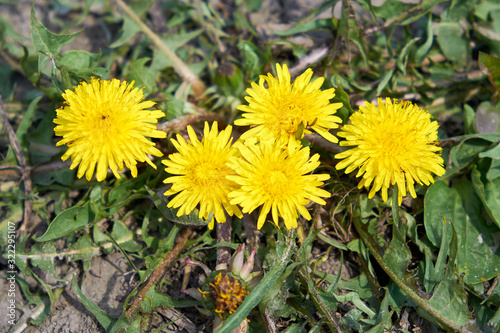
[227, 293]
[288, 117]
[275, 183]
[392, 145]
[103, 124]
[207, 174]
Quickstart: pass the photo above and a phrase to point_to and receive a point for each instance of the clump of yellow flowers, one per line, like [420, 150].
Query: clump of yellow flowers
[106, 124]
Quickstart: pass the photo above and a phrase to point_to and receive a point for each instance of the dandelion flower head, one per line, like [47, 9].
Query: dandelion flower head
[279, 179]
[394, 143]
[200, 174]
[105, 123]
[280, 109]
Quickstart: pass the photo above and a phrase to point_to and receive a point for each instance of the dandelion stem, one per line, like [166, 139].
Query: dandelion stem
[178, 65]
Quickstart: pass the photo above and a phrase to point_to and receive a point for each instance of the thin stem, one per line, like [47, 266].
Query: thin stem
[178, 65]
[223, 235]
[395, 207]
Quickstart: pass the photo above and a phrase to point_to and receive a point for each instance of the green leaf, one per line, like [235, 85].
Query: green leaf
[80, 66]
[47, 44]
[449, 297]
[453, 42]
[142, 75]
[124, 237]
[82, 249]
[285, 250]
[251, 59]
[469, 115]
[355, 298]
[494, 172]
[384, 315]
[332, 242]
[471, 145]
[22, 264]
[171, 214]
[441, 202]
[458, 10]
[177, 40]
[476, 258]
[397, 256]
[444, 249]
[42, 257]
[402, 60]
[489, 193]
[430, 280]
[492, 153]
[124, 325]
[306, 246]
[386, 78]
[11, 40]
[130, 28]
[478, 255]
[160, 60]
[154, 300]
[308, 26]
[484, 8]
[276, 296]
[102, 317]
[71, 219]
[424, 49]
[341, 97]
[230, 83]
[355, 37]
[492, 65]
[23, 128]
[241, 21]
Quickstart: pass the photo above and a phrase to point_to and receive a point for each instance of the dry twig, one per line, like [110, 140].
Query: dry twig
[160, 270]
[25, 168]
[179, 66]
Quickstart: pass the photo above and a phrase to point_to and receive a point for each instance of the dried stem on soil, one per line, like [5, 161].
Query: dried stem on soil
[179, 66]
[25, 168]
[160, 270]
[224, 235]
[180, 123]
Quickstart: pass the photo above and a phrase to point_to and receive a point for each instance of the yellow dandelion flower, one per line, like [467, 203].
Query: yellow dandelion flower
[276, 112]
[105, 123]
[277, 178]
[201, 170]
[395, 144]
